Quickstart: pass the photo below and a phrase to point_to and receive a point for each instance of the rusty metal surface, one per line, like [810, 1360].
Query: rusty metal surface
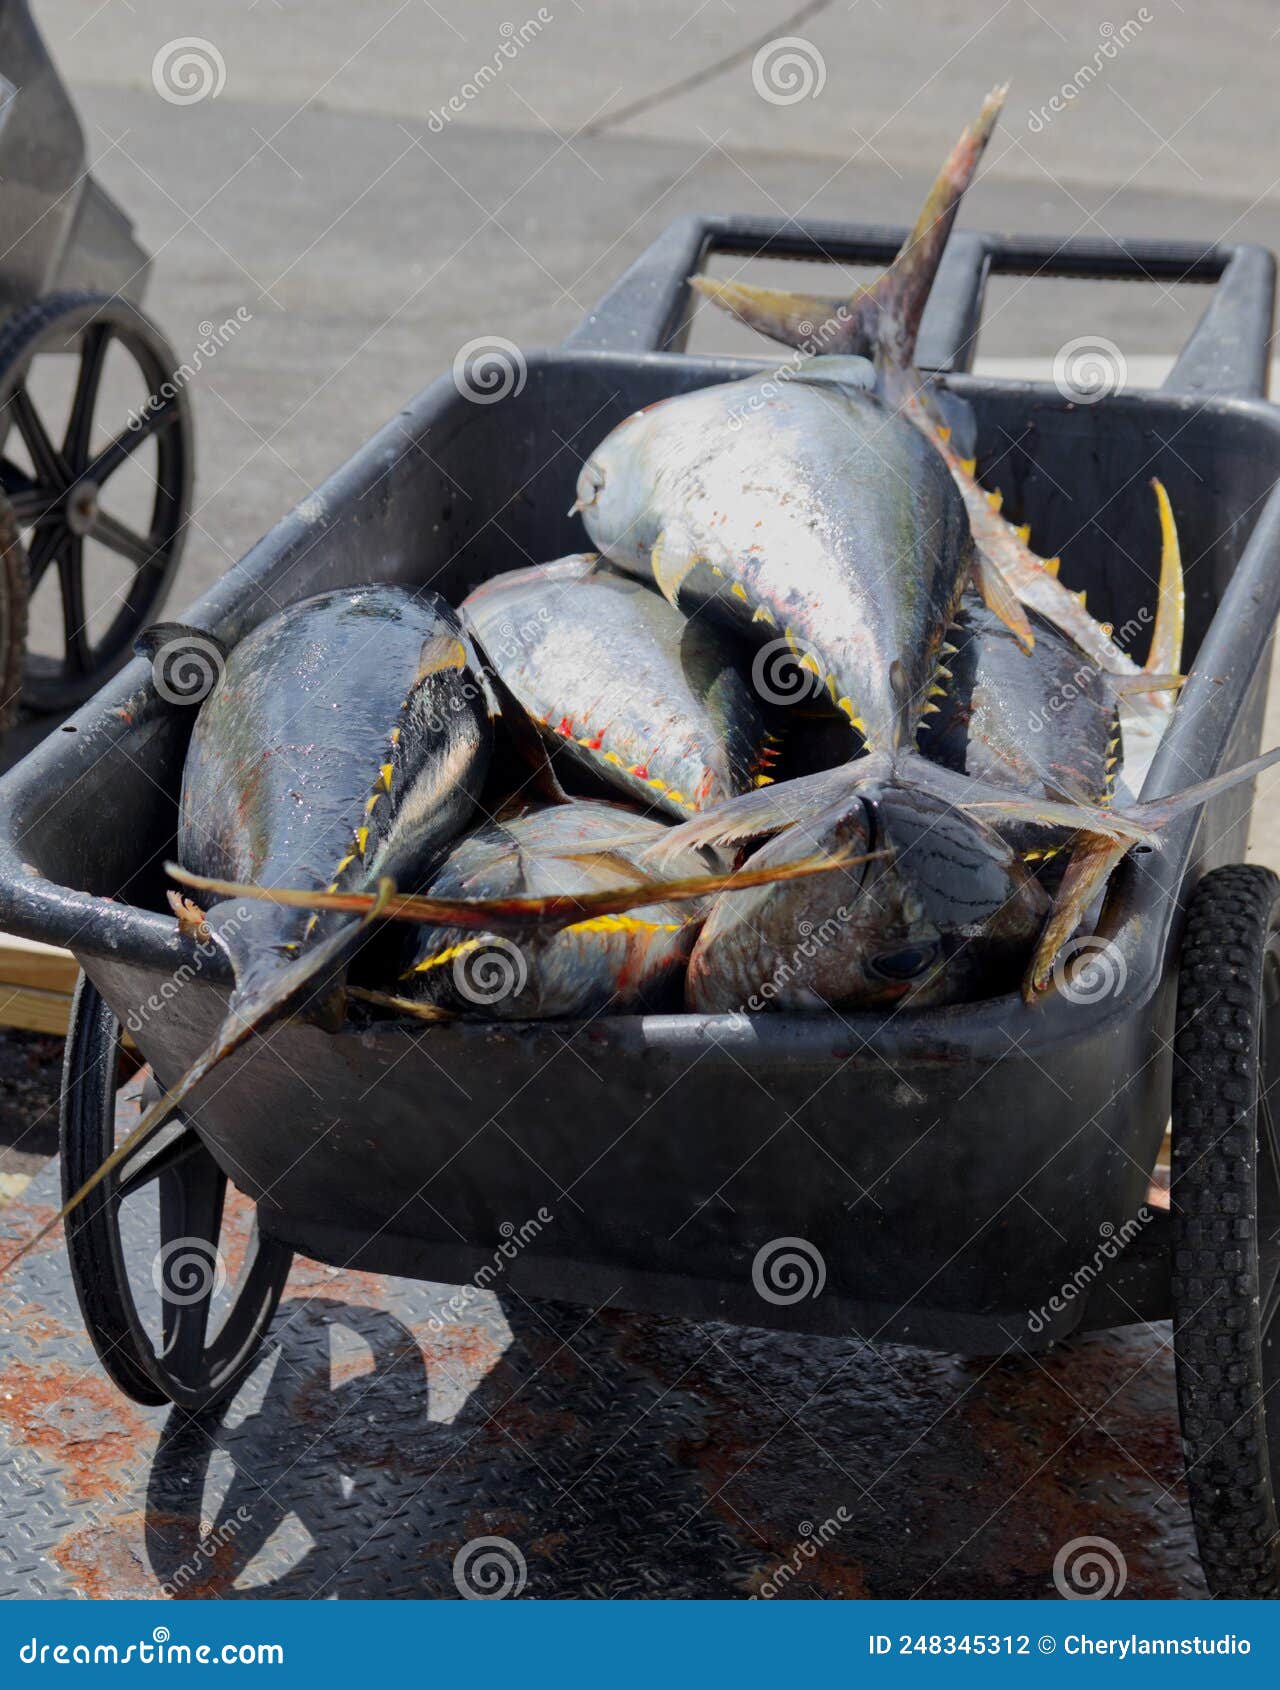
[622, 1455]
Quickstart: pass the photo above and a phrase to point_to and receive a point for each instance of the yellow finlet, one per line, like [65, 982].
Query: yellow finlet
[810, 662]
[739, 591]
[1052, 564]
[995, 500]
[763, 614]
[386, 777]
[969, 466]
[944, 433]
[1024, 532]
[362, 840]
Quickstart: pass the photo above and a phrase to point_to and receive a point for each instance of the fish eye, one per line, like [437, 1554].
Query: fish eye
[906, 963]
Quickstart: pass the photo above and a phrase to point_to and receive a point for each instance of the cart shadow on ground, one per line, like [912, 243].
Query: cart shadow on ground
[627, 1455]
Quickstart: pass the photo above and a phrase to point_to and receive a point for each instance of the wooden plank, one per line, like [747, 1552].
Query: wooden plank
[34, 1011]
[26, 962]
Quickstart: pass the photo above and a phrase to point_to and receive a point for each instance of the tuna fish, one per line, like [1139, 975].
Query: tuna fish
[345, 742]
[616, 962]
[622, 684]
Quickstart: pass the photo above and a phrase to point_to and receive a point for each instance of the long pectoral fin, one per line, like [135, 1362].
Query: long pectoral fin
[1092, 860]
[421, 1010]
[248, 1016]
[1158, 812]
[673, 559]
[518, 915]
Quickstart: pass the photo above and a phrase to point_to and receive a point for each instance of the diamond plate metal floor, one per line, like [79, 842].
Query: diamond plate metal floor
[621, 1455]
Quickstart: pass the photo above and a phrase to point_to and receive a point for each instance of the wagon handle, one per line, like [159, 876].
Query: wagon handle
[649, 308]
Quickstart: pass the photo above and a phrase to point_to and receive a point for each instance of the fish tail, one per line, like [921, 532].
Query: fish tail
[884, 318]
[244, 1019]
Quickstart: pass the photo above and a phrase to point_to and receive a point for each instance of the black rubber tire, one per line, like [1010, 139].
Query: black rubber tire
[53, 510]
[1226, 1226]
[205, 1373]
[14, 600]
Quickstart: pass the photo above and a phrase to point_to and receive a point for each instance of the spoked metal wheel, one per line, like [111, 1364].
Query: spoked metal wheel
[171, 1196]
[62, 477]
[1226, 1219]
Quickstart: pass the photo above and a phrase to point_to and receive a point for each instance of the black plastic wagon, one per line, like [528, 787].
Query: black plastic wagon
[976, 1178]
[88, 385]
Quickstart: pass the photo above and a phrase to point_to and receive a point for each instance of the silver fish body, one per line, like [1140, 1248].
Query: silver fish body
[614, 962]
[347, 739]
[657, 705]
[805, 511]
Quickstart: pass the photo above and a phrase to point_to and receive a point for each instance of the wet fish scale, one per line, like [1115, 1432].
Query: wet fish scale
[804, 510]
[654, 704]
[619, 962]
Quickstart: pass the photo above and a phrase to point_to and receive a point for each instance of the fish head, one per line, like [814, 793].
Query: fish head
[948, 914]
[615, 496]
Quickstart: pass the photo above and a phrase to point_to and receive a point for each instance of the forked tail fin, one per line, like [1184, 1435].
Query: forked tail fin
[884, 318]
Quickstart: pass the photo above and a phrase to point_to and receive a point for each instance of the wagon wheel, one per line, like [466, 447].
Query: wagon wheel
[1226, 1217]
[60, 507]
[186, 1366]
[13, 614]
